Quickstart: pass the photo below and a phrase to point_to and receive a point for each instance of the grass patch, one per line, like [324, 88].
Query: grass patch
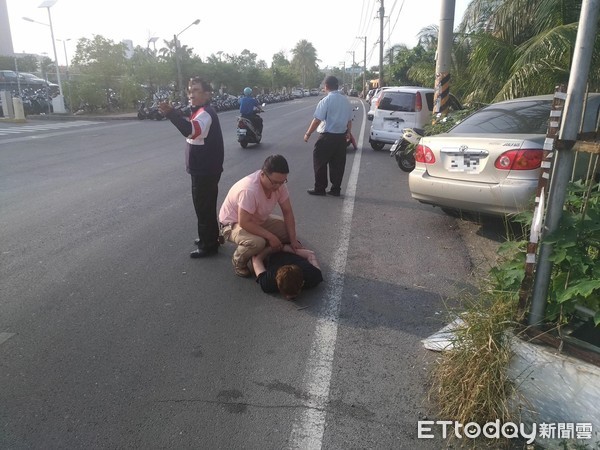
[470, 382]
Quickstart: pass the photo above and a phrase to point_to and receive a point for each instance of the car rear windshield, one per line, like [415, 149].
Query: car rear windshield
[520, 117]
[397, 101]
[403, 101]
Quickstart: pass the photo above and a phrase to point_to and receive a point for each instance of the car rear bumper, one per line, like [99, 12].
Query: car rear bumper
[509, 197]
[385, 136]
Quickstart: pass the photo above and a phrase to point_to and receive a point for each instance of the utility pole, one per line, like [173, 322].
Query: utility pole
[444, 54]
[381, 14]
[565, 156]
[353, 63]
[364, 83]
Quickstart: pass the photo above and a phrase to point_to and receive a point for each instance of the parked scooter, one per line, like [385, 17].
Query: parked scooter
[149, 112]
[350, 141]
[404, 148]
[247, 132]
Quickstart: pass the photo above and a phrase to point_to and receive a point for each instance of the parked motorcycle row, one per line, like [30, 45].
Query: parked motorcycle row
[35, 101]
[220, 102]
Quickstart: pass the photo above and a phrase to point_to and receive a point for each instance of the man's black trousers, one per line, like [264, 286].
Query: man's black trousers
[205, 190]
[330, 150]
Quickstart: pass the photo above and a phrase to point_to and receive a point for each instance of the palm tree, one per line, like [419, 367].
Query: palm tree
[305, 59]
[422, 69]
[522, 47]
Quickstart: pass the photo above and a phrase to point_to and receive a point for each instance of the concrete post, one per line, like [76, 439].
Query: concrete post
[18, 109]
[7, 104]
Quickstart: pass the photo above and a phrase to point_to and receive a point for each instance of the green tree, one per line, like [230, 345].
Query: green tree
[222, 73]
[414, 66]
[282, 73]
[48, 69]
[422, 63]
[305, 60]
[25, 63]
[102, 65]
[189, 63]
[148, 71]
[522, 47]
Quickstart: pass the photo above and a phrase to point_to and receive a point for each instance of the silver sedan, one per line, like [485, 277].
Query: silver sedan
[490, 162]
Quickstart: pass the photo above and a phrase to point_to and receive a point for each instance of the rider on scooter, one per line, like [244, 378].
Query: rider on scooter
[248, 108]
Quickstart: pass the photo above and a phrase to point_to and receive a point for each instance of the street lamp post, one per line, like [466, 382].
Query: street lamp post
[365, 89]
[179, 76]
[57, 104]
[353, 63]
[64, 41]
[152, 41]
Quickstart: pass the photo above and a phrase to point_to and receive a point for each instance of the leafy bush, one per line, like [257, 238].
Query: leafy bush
[575, 255]
[575, 279]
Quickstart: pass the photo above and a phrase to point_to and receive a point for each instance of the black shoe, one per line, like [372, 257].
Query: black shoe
[315, 192]
[220, 241]
[334, 193]
[204, 252]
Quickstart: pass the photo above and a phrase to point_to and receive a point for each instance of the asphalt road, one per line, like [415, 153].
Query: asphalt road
[112, 337]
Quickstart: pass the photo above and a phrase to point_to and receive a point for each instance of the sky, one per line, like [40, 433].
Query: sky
[264, 27]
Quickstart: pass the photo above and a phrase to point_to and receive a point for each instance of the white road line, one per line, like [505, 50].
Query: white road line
[45, 127]
[5, 337]
[307, 432]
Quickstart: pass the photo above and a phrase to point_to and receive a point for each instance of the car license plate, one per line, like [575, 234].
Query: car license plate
[464, 162]
[392, 124]
[241, 132]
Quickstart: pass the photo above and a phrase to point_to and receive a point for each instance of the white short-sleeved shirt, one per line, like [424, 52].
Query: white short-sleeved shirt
[335, 110]
[250, 196]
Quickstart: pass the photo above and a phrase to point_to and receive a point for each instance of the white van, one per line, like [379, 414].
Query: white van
[401, 107]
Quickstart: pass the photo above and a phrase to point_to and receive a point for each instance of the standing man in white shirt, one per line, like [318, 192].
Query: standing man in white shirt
[335, 111]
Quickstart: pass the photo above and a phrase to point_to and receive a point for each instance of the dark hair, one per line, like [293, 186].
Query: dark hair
[332, 83]
[290, 280]
[206, 87]
[275, 163]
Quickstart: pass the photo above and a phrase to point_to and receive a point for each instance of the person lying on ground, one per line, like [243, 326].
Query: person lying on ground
[286, 271]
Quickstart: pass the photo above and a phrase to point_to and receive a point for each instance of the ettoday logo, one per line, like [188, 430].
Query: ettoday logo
[427, 429]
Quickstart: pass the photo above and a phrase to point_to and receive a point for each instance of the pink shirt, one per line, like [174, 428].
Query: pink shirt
[250, 196]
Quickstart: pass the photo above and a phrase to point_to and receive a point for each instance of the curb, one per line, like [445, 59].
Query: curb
[9, 120]
[130, 116]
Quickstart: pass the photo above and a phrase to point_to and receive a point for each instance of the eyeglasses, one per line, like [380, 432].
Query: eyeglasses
[275, 183]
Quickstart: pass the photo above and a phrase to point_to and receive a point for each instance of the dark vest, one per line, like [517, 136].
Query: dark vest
[207, 159]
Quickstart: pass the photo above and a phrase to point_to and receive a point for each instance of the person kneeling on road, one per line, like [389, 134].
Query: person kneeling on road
[246, 214]
[286, 271]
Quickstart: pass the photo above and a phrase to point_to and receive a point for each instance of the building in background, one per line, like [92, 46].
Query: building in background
[128, 48]
[6, 44]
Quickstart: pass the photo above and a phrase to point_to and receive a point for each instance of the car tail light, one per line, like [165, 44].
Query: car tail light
[519, 160]
[418, 102]
[242, 124]
[423, 154]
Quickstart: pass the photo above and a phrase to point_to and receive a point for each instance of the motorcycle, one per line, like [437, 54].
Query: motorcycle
[247, 133]
[149, 112]
[350, 141]
[404, 148]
